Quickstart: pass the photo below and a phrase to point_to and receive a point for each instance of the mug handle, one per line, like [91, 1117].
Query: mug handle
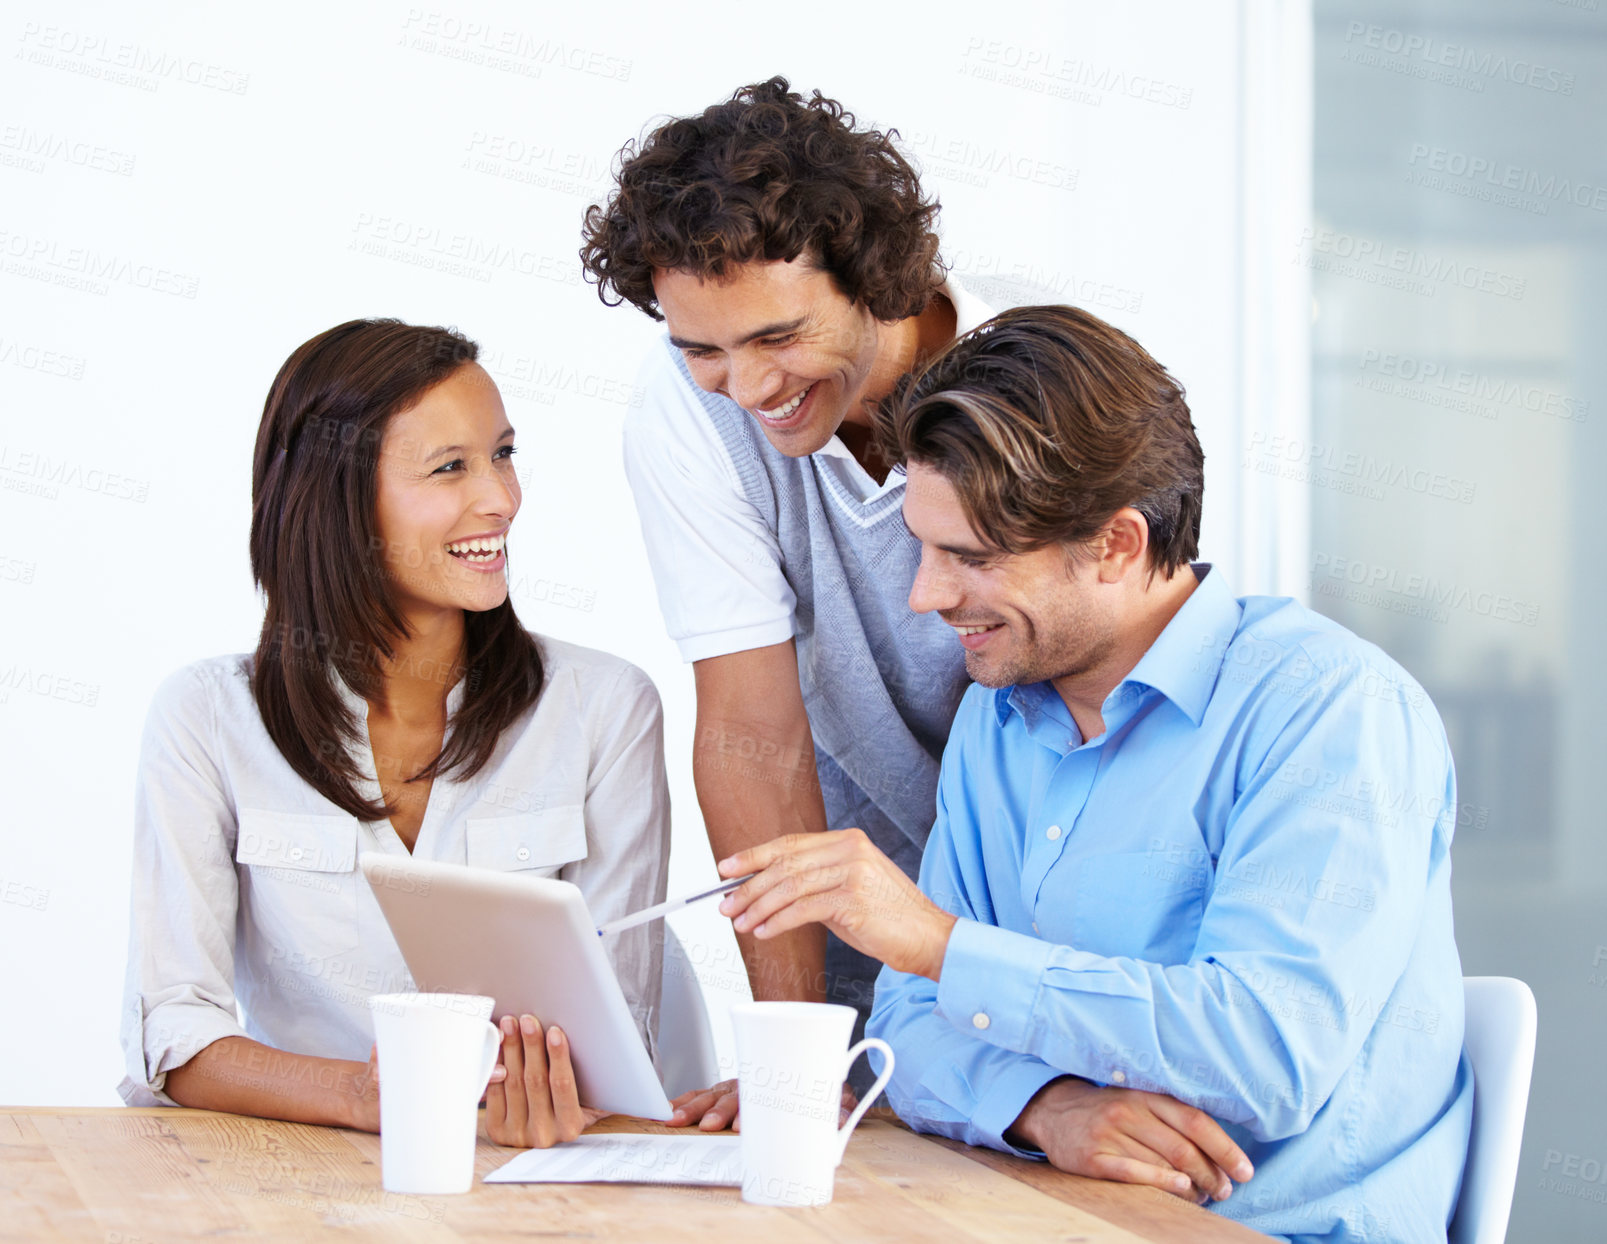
[847, 1129]
[493, 1043]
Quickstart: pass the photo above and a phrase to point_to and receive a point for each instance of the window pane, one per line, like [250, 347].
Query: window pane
[1458, 257]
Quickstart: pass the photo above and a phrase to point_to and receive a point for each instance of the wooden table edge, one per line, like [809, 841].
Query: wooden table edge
[1146, 1212]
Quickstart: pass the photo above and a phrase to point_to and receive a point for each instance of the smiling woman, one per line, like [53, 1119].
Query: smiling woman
[365, 443]
[394, 704]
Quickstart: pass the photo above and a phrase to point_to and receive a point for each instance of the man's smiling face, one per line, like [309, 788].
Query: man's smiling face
[1021, 617]
[780, 340]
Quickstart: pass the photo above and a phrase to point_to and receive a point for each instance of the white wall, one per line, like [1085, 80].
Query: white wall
[185, 197]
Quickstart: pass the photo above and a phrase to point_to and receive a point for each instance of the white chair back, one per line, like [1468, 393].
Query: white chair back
[1501, 1022]
[686, 1054]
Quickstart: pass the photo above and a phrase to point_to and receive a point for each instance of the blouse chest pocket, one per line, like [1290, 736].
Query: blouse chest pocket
[298, 883]
[538, 842]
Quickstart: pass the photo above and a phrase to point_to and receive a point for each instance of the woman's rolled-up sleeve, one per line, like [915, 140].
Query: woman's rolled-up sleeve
[179, 993]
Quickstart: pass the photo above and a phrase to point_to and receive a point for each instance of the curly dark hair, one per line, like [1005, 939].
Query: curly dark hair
[767, 175]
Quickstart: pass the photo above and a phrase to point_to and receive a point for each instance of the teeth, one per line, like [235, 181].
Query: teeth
[478, 550]
[974, 630]
[781, 412]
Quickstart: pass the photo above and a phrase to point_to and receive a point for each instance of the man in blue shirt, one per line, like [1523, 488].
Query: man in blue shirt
[1184, 917]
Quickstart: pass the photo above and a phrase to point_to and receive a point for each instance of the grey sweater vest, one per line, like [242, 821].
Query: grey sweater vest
[881, 683]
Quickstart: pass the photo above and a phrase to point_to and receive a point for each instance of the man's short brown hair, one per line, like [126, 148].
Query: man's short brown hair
[1047, 421]
[766, 175]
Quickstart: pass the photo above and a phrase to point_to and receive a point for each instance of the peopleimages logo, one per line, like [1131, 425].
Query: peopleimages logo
[1051, 73]
[1487, 175]
[86, 267]
[1316, 463]
[1574, 1174]
[1423, 56]
[33, 148]
[1460, 388]
[975, 164]
[498, 47]
[537, 164]
[1399, 267]
[96, 55]
[1331, 575]
[50, 685]
[45, 476]
[34, 358]
[425, 245]
[1010, 283]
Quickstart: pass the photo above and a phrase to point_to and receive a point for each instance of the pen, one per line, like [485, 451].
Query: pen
[663, 909]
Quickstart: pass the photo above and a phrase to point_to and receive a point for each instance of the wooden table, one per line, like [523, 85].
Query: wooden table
[121, 1176]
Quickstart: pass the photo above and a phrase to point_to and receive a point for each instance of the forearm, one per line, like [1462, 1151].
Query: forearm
[241, 1076]
[1192, 1031]
[754, 786]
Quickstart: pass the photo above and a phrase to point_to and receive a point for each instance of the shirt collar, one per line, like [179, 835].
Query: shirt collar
[969, 312]
[1039, 705]
[1182, 664]
[359, 706]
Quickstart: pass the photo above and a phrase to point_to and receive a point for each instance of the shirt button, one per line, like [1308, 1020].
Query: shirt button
[1118, 1077]
[523, 853]
[980, 1020]
[1052, 833]
[295, 853]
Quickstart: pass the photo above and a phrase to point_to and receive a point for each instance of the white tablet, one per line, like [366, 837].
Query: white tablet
[530, 943]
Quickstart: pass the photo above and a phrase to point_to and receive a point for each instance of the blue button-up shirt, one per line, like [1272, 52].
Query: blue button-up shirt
[1237, 895]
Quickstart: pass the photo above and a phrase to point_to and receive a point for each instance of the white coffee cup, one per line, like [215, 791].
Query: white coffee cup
[791, 1064]
[436, 1052]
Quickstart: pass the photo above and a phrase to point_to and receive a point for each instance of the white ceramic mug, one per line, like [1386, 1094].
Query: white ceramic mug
[436, 1052]
[791, 1064]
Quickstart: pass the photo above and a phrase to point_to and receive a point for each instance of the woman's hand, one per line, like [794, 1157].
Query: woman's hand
[532, 1102]
[365, 1095]
[710, 1108]
[717, 1107]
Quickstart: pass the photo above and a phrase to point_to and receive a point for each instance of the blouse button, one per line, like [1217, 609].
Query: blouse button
[523, 853]
[980, 1020]
[295, 853]
[1052, 833]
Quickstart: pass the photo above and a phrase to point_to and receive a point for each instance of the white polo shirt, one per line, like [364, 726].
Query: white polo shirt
[716, 563]
[245, 882]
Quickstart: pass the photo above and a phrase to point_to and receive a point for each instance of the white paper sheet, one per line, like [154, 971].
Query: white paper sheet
[711, 1161]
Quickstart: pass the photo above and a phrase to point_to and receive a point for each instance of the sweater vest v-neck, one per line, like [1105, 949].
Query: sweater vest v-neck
[881, 683]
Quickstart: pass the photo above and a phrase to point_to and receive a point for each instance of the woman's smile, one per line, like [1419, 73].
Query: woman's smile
[485, 554]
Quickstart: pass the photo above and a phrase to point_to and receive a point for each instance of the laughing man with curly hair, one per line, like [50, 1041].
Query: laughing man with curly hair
[793, 259]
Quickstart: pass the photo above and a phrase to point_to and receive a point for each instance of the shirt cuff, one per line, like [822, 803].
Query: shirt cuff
[990, 982]
[169, 1037]
[1006, 1098]
[741, 639]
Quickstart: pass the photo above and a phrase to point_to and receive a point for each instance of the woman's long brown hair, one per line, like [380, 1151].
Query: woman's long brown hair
[316, 554]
